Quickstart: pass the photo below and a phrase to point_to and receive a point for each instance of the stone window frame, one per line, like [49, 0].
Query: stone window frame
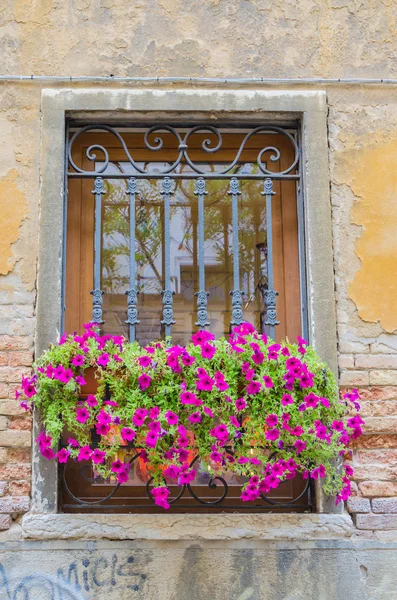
[120, 105]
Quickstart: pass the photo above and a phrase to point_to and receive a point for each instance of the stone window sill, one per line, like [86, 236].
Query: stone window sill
[187, 527]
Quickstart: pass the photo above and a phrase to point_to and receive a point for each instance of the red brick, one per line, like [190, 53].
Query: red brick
[4, 390]
[379, 408]
[388, 457]
[380, 425]
[23, 424]
[376, 441]
[379, 393]
[15, 439]
[4, 359]
[13, 374]
[19, 488]
[375, 489]
[378, 361]
[19, 455]
[20, 358]
[14, 471]
[11, 408]
[15, 342]
[379, 472]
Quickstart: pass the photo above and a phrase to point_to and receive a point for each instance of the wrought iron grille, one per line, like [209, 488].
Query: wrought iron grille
[186, 164]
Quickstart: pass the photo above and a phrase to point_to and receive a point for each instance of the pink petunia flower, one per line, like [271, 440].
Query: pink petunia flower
[82, 415]
[98, 456]
[144, 381]
[85, 453]
[92, 401]
[103, 360]
[78, 360]
[63, 455]
[171, 417]
[128, 434]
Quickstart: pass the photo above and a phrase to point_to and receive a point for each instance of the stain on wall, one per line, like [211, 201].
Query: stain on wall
[373, 175]
[13, 211]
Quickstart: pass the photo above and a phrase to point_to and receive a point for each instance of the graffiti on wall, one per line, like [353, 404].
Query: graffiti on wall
[84, 579]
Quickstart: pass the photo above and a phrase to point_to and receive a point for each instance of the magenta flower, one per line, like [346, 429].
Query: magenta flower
[84, 453]
[154, 412]
[117, 466]
[144, 361]
[272, 435]
[50, 371]
[234, 421]
[208, 412]
[151, 439]
[285, 351]
[78, 360]
[98, 456]
[201, 337]
[311, 400]
[205, 383]
[188, 359]
[80, 380]
[63, 455]
[194, 417]
[102, 428]
[188, 398]
[348, 470]
[338, 426]
[299, 446]
[155, 427]
[171, 472]
[242, 460]
[272, 420]
[128, 434]
[103, 360]
[216, 456]
[47, 452]
[171, 417]
[249, 374]
[82, 415]
[73, 443]
[144, 381]
[253, 387]
[186, 477]
[104, 417]
[258, 358]
[268, 381]
[92, 401]
[287, 399]
[240, 404]
[208, 351]
[297, 431]
[220, 432]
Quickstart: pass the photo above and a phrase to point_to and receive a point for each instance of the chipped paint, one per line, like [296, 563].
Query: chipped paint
[373, 174]
[13, 211]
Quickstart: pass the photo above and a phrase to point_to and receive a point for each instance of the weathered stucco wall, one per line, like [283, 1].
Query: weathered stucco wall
[219, 38]
[116, 570]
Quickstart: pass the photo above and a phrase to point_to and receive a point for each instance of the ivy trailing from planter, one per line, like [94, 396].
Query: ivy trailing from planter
[276, 406]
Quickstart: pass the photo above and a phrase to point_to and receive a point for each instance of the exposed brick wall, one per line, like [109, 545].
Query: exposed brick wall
[15, 430]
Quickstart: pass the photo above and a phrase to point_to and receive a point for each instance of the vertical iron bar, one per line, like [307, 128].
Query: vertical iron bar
[97, 293]
[236, 293]
[301, 241]
[65, 225]
[270, 295]
[132, 292]
[167, 293]
[202, 295]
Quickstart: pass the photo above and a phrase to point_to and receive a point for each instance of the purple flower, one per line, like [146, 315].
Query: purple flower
[195, 417]
[103, 360]
[297, 431]
[201, 337]
[234, 421]
[258, 357]
[337, 426]
[102, 428]
[80, 380]
[82, 415]
[208, 412]
[144, 381]
[242, 460]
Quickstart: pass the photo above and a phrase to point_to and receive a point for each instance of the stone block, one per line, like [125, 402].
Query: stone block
[384, 505]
